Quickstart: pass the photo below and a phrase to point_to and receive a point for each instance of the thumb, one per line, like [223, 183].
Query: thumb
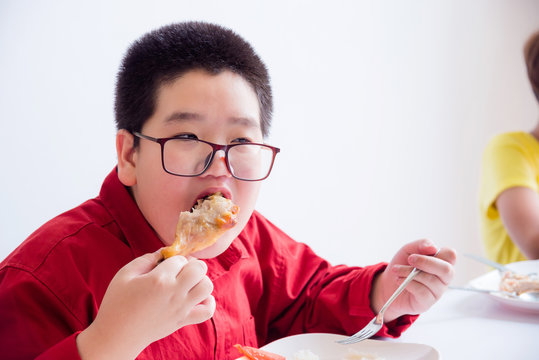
[427, 247]
[423, 247]
[143, 264]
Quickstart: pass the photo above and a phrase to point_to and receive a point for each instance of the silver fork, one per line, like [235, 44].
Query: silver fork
[378, 321]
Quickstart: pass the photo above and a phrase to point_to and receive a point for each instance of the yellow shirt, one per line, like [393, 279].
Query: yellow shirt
[509, 160]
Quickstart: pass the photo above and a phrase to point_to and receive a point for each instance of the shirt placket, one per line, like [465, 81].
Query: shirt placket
[220, 333]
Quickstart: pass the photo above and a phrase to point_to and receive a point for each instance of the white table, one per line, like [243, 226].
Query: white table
[465, 325]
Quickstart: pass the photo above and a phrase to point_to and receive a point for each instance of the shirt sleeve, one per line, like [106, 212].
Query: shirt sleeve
[360, 307]
[35, 323]
[65, 349]
[341, 302]
[310, 295]
[505, 164]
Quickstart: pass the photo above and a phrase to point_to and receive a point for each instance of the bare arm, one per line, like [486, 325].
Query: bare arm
[519, 211]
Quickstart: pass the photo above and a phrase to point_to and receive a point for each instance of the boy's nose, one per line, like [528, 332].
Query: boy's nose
[218, 165]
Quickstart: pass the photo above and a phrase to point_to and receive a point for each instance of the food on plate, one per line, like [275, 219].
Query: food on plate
[305, 355]
[519, 283]
[354, 355]
[252, 353]
[351, 355]
[199, 228]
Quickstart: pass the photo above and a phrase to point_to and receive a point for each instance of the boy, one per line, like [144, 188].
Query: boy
[92, 283]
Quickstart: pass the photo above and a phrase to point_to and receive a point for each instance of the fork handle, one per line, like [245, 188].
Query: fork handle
[397, 292]
[406, 281]
[488, 262]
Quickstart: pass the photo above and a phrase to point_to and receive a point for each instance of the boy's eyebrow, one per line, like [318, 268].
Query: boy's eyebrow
[182, 116]
[246, 121]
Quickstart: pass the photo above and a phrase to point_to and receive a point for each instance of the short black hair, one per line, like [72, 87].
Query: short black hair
[164, 54]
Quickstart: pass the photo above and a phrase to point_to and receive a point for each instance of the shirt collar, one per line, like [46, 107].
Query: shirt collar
[217, 266]
[137, 231]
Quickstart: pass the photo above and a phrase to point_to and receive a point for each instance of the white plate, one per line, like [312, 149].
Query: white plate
[491, 281]
[325, 347]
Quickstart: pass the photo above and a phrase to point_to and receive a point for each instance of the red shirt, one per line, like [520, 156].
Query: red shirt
[266, 285]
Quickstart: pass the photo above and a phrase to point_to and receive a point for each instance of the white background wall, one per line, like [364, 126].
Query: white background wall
[382, 110]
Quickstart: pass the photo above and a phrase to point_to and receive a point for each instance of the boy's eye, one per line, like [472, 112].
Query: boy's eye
[187, 136]
[241, 141]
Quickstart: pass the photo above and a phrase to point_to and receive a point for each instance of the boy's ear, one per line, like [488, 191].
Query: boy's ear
[126, 157]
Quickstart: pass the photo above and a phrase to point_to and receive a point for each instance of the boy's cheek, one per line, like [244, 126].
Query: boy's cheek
[247, 197]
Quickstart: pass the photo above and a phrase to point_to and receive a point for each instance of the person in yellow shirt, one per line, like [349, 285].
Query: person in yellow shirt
[509, 193]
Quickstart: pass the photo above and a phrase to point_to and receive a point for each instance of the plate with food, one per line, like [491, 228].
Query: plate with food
[319, 346]
[521, 281]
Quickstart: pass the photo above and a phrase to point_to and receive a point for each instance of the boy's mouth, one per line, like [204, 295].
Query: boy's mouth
[198, 202]
[203, 198]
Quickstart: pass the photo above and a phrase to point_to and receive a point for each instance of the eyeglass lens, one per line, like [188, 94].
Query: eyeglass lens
[191, 157]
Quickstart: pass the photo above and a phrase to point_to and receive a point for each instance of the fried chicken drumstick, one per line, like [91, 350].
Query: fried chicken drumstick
[210, 218]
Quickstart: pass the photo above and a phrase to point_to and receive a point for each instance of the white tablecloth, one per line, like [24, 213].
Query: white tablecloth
[465, 325]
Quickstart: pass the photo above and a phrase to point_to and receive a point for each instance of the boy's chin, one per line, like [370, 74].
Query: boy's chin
[214, 250]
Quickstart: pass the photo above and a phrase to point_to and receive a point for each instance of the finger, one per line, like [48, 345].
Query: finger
[448, 254]
[423, 246]
[400, 271]
[433, 265]
[200, 291]
[191, 274]
[426, 284]
[202, 311]
[143, 264]
[171, 266]
[431, 283]
[422, 295]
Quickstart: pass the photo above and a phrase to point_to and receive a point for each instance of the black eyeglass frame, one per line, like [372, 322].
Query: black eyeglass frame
[215, 147]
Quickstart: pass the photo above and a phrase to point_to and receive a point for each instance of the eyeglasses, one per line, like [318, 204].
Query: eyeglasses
[192, 157]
